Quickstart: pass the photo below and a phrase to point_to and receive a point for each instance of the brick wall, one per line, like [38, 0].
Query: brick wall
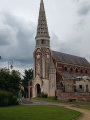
[73, 96]
[61, 67]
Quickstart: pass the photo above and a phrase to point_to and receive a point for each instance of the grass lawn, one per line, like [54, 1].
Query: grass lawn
[41, 112]
[84, 107]
[51, 99]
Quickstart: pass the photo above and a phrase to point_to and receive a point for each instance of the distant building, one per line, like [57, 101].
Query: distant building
[55, 70]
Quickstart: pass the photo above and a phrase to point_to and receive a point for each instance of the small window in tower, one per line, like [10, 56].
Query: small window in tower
[81, 71]
[43, 42]
[71, 70]
[76, 70]
[65, 68]
[86, 71]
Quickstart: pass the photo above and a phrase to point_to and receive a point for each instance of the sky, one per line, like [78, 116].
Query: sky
[68, 23]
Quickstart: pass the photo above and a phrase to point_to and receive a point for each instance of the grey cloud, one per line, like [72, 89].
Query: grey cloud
[77, 42]
[76, 0]
[7, 35]
[84, 8]
[18, 35]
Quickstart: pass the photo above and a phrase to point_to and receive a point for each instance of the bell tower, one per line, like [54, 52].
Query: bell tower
[42, 53]
[44, 79]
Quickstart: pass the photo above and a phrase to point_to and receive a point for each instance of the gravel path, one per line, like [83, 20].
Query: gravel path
[85, 113]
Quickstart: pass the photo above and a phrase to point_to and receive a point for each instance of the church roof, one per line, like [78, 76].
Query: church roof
[42, 28]
[70, 59]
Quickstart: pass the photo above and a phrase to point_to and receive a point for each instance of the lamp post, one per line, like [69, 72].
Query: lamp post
[10, 64]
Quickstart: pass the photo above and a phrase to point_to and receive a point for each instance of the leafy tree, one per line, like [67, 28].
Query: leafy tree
[9, 81]
[28, 75]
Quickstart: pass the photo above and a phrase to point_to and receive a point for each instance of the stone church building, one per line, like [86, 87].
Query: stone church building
[54, 70]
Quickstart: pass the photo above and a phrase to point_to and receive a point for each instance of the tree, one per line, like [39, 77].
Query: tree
[28, 76]
[9, 81]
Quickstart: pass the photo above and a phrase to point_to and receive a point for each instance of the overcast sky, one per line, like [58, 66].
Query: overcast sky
[68, 23]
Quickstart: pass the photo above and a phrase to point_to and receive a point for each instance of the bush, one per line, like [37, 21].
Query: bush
[14, 100]
[39, 95]
[46, 95]
[43, 95]
[7, 99]
[3, 98]
[10, 97]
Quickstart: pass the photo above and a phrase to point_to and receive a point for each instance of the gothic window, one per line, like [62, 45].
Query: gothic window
[65, 68]
[81, 71]
[71, 69]
[76, 70]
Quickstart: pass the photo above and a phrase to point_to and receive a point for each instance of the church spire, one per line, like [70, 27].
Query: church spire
[42, 28]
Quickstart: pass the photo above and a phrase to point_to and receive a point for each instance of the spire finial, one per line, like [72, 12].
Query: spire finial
[42, 28]
[42, 5]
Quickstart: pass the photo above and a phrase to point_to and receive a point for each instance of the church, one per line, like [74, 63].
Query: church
[54, 70]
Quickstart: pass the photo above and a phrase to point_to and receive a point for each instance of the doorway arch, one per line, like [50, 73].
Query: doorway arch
[38, 89]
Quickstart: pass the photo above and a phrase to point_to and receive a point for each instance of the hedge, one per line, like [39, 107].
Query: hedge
[7, 99]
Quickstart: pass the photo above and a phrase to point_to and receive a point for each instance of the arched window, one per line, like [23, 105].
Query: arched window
[81, 71]
[76, 70]
[65, 68]
[86, 71]
[71, 69]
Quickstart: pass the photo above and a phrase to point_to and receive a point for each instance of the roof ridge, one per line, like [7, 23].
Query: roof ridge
[69, 54]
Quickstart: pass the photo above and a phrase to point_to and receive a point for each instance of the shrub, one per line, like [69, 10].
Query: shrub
[14, 100]
[46, 95]
[39, 95]
[7, 99]
[10, 97]
[3, 98]
[43, 95]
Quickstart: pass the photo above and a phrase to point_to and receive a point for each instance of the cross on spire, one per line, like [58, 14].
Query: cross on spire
[42, 28]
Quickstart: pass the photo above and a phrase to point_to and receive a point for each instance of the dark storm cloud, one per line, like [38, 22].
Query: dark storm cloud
[17, 38]
[84, 8]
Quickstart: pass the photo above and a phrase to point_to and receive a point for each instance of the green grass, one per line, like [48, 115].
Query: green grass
[84, 107]
[46, 112]
[51, 99]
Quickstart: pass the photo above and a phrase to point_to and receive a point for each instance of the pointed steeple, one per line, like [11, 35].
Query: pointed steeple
[42, 28]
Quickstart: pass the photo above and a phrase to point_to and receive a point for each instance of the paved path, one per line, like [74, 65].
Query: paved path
[85, 113]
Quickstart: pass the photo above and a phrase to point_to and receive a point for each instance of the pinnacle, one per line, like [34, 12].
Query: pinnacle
[42, 28]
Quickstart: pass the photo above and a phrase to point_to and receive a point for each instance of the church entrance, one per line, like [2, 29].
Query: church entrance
[38, 89]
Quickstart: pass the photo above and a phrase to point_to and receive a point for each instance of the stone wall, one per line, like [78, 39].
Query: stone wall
[73, 96]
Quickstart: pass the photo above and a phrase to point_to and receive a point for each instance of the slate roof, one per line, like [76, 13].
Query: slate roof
[70, 59]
